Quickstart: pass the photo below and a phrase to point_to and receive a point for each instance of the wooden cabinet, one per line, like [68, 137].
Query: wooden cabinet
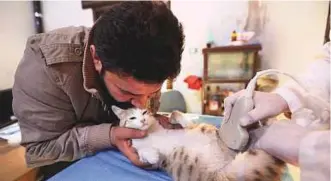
[227, 69]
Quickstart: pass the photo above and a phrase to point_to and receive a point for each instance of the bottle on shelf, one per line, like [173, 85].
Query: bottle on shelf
[234, 35]
[214, 102]
[207, 98]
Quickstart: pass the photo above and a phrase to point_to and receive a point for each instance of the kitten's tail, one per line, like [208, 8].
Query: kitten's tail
[253, 165]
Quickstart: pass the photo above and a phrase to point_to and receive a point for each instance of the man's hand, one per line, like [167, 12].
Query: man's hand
[121, 138]
[165, 122]
[265, 105]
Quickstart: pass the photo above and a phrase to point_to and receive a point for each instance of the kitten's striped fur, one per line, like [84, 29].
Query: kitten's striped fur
[196, 153]
[183, 166]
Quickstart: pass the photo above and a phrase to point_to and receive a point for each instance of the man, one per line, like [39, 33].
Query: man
[303, 141]
[68, 79]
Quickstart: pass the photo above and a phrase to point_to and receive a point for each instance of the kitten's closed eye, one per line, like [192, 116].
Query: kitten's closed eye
[144, 112]
[132, 118]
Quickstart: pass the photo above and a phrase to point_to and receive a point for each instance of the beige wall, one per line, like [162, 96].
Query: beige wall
[16, 19]
[59, 14]
[17, 23]
[293, 34]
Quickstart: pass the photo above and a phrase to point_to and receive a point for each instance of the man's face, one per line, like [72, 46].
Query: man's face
[125, 88]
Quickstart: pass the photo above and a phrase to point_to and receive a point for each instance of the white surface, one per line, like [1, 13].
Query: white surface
[12, 134]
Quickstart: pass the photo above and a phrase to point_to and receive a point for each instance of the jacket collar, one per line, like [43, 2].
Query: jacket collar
[89, 72]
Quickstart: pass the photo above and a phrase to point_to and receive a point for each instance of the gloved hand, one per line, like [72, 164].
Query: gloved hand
[266, 105]
[280, 139]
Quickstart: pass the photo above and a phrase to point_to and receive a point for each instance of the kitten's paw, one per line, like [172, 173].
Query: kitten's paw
[150, 156]
[178, 117]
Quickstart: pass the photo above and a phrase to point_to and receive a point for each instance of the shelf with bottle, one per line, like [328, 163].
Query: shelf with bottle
[214, 95]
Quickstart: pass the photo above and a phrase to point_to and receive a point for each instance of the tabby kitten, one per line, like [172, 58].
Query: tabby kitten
[196, 153]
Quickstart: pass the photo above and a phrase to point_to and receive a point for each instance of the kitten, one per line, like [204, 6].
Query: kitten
[196, 153]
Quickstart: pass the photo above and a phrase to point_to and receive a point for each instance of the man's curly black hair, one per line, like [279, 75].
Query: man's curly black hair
[142, 39]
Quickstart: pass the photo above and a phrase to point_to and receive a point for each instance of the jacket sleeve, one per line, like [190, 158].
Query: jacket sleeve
[47, 119]
[316, 80]
[314, 156]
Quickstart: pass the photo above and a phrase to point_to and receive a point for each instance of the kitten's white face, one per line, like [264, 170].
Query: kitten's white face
[134, 118]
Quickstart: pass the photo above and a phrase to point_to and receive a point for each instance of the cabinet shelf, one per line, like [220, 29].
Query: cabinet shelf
[226, 81]
[251, 47]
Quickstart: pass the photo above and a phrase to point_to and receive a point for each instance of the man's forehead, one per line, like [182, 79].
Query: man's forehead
[131, 85]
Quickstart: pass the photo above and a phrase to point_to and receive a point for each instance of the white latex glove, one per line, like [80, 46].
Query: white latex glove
[266, 105]
[280, 139]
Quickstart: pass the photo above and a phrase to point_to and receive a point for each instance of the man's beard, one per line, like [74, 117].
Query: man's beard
[107, 98]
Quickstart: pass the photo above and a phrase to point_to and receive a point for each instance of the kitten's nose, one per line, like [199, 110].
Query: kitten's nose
[142, 121]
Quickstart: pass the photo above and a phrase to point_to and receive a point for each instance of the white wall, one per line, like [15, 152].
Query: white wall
[17, 23]
[292, 33]
[16, 19]
[58, 14]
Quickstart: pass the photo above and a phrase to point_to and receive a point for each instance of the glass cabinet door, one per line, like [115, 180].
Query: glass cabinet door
[230, 65]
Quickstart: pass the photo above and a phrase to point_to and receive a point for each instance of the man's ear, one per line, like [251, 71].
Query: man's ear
[96, 60]
[118, 111]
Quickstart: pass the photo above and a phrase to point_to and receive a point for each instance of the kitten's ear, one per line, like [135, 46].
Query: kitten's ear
[118, 111]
